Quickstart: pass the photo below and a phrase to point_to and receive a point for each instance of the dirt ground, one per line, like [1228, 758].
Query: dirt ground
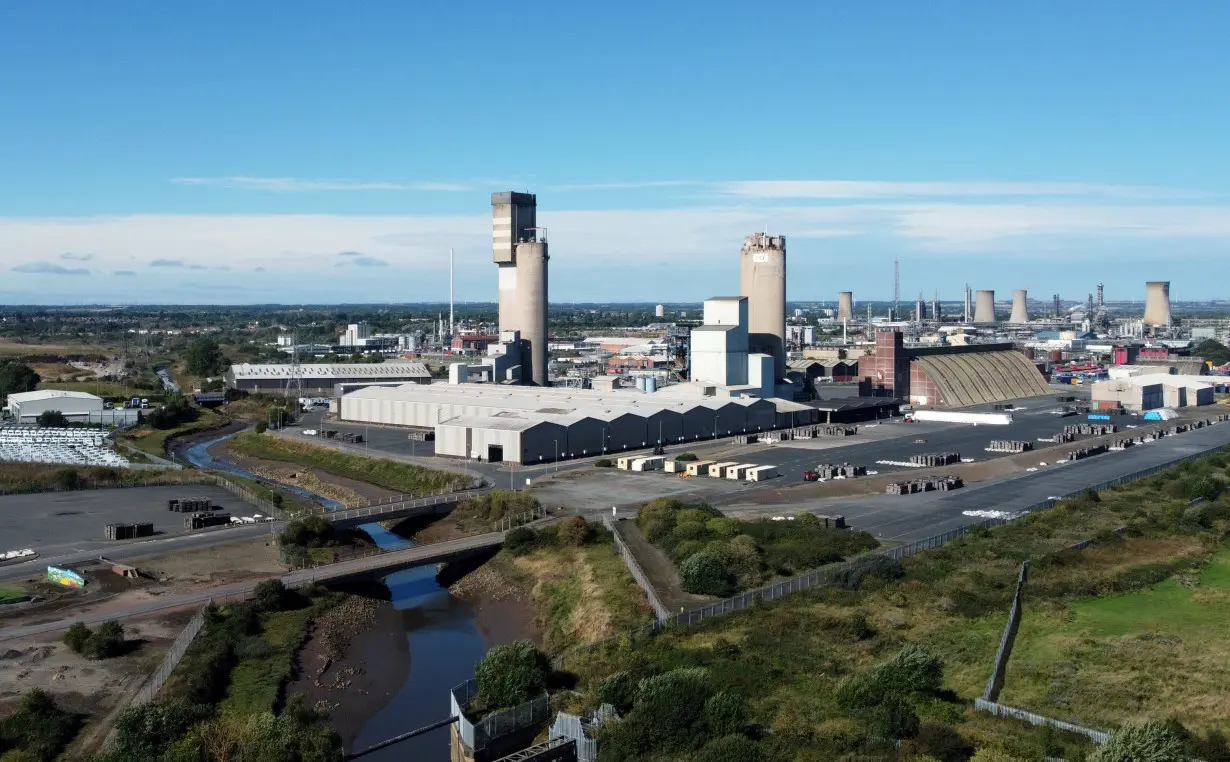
[94, 688]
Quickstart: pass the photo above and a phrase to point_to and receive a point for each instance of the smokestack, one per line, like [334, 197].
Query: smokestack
[532, 303]
[451, 329]
[845, 306]
[984, 307]
[1020, 312]
[762, 279]
[1157, 303]
[969, 306]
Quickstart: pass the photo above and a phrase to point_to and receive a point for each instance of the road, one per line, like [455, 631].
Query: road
[379, 563]
[907, 518]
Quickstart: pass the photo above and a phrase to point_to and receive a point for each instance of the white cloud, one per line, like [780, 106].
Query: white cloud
[298, 184]
[70, 256]
[49, 268]
[859, 189]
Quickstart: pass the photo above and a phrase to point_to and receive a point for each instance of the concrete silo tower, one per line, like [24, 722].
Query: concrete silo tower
[1020, 311]
[762, 279]
[845, 306]
[521, 256]
[984, 307]
[1157, 303]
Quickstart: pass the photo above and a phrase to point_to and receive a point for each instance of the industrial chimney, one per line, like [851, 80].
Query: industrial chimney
[845, 306]
[532, 310]
[1020, 312]
[984, 307]
[521, 255]
[762, 279]
[1157, 303]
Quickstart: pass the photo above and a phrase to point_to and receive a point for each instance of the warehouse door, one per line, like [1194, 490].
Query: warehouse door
[495, 453]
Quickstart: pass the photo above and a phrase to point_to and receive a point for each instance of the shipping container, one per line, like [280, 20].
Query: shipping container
[700, 467]
[718, 470]
[761, 473]
[739, 473]
[625, 463]
[654, 463]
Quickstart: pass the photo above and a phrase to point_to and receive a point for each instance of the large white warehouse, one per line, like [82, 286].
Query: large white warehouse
[25, 407]
[535, 424]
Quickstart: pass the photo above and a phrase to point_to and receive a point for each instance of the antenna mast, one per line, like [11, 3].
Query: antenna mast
[294, 382]
[451, 330]
[896, 287]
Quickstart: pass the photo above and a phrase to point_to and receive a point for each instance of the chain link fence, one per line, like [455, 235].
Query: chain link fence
[477, 734]
[660, 611]
[999, 710]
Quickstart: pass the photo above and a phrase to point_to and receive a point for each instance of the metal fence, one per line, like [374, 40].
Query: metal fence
[583, 730]
[828, 574]
[999, 710]
[478, 734]
[660, 611]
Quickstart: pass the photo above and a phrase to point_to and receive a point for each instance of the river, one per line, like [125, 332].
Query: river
[443, 635]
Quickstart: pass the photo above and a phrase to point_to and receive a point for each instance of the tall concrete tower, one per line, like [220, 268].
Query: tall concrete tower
[935, 308]
[1157, 303]
[1020, 309]
[969, 305]
[1101, 303]
[984, 307]
[513, 219]
[845, 306]
[762, 279]
[521, 257]
[532, 310]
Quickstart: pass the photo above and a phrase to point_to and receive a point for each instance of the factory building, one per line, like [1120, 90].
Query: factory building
[531, 425]
[1147, 392]
[762, 279]
[25, 407]
[722, 362]
[948, 376]
[320, 379]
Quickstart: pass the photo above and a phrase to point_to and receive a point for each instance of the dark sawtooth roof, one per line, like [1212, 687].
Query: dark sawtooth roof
[976, 378]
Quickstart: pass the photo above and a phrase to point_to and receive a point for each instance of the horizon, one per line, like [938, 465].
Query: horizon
[1006, 147]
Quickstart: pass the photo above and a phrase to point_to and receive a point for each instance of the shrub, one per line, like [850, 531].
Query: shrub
[1196, 517]
[106, 642]
[269, 595]
[574, 531]
[511, 675]
[913, 670]
[723, 714]
[68, 479]
[669, 706]
[1150, 742]
[989, 754]
[52, 419]
[1205, 487]
[732, 748]
[145, 732]
[894, 719]
[687, 457]
[604, 463]
[38, 728]
[618, 690]
[76, 637]
[261, 427]
[520, 541]
[724, 527]
[942, 743]
[705, 574]
[868, 568]
[1090, 495]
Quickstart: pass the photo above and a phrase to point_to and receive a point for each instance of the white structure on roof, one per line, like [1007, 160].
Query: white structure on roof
[1148, 392]
[522, 424]
[721, 362]
[322, 377]
[25, 407]
[356, 335]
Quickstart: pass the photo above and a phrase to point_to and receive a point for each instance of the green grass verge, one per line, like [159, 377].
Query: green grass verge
[256, 683]
[9, 594]
[154, 441]
[290, 503]
[390, 474]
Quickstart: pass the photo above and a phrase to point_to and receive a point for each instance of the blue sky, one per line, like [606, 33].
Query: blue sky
[231, 152]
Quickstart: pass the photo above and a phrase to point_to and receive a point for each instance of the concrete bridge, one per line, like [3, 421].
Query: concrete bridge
[377, 566]
[430, 505]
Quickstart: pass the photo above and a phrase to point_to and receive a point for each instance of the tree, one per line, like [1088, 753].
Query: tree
[16, 377]
[204, 357]
[52, 419]
[705, 574]
[1150, 742]
[269, 594]
[106, 642]
[76, 637]
[511, 675]
[574, 531]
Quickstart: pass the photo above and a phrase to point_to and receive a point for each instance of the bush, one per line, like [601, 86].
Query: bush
[705, 574]
[913, 670]
[869, 568]
[76, 637]
[687, 457]
[261, 427]
[1090, 495]
[894, 719]
[269, 595]
[1204, 487]
[574, 531]
[106, 642]
[511, 675]
[38, 728]
[732, 748]
[989, 754]
[68, 479]
[618, 690]
[52, 419]
[669, 707]
[604, 463]
[942, 742]
[723, 714]
[1150, 742]
[520, 541]
[145, 732]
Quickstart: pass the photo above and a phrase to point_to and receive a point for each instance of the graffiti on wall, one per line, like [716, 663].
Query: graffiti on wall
[65, 577]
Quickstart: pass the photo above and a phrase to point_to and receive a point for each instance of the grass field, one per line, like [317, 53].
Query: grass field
[1125, 629]
[256, 682]
[390, 474]
[8, 594]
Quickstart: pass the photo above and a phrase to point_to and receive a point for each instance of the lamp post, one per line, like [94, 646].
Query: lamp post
[557, 456]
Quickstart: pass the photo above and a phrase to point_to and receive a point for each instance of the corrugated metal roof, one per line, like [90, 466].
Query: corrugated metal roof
[49, 394]
[251, 371]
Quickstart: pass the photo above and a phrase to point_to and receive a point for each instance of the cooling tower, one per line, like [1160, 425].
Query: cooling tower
[1157, 303]
[1020, 312]
[762, 279]
[532, 310]
[845, 306]
[984, 307]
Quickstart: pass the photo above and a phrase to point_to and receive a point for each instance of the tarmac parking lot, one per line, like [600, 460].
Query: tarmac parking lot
[60, 523]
